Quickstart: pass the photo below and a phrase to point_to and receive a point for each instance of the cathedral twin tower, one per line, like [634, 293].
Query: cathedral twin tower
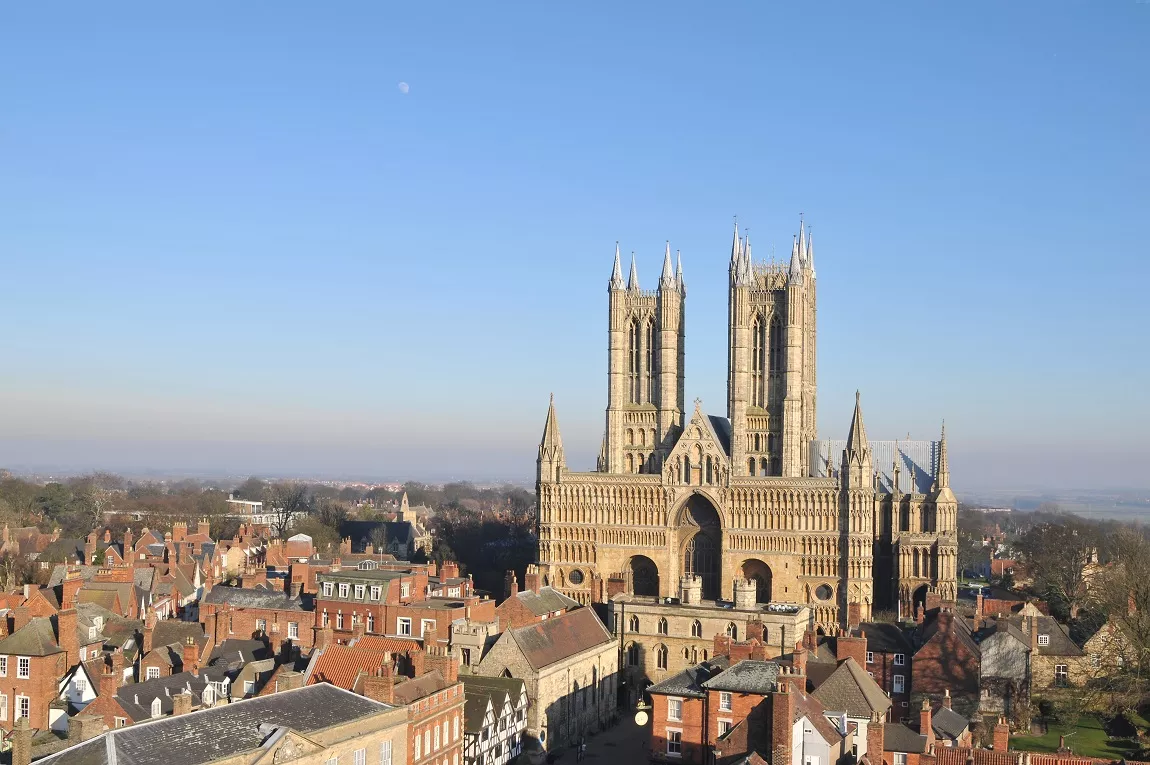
[845, 527]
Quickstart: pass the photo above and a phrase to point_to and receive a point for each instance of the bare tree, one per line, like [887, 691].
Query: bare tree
[284, 501]
[1057, 556]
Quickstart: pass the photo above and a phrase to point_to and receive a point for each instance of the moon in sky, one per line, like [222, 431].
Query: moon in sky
[404, 87]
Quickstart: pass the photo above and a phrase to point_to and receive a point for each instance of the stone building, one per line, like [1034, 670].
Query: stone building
[662, 637]
[838, 526]
[570, 666]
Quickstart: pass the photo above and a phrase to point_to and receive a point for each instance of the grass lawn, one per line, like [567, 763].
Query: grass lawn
[1087, 740]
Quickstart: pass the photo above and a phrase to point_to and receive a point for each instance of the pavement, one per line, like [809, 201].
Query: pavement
[626, 742]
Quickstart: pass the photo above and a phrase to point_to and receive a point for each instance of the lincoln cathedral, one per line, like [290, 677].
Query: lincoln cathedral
[844, 527]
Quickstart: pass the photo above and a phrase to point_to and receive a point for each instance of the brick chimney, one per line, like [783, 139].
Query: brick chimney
[191, 656]
[289, 681]
[128, 540]
[300, 575]
[510, 584]
[179, 531]
[924, 726]
[90, 548]
[854, 615]
[755, 630]
[1001, 736]
[446, 664]
[875, 738]
[109, 682]
[204, 527]
[181, 704]
[357, 630]
[431, 640]
[782, 725]
[978, 615]
[722, 644]
[449, 570]
[811, 640]
[21, 615]
[1033, 635]
[847, 646]
[73, 581]
[322, 637]
[66, 636]
[946, 699]
[531, 578]
[799, 662]
[85, 727]
[149, 630]
[380, 686]
[22, 742]
[345, 546]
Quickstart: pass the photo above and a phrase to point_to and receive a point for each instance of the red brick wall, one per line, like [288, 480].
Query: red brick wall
[430, 713]
[512, 613]
[692, 726]
[946, 662]
[243, 624]
[883, 669]
[41, 687]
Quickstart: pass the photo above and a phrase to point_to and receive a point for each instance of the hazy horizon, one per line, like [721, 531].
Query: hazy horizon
[371, 241]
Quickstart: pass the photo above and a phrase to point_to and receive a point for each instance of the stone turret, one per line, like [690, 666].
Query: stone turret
[550, 462]
[746, 594]
[691, 590]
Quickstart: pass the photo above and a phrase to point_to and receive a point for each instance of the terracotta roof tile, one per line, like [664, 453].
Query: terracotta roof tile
[340, 665]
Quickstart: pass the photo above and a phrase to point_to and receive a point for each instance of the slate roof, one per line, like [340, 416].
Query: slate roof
[886, 638]
[245, 597]
[36, 638]
[420, 687]
[1060, 642]
[948, 723]
[746, 677]
[479, 691]
[233, 652]
[689, 681]
[61, 569]
[722, 428]
[360, 532]
[899, 738]
[70, 550]
[850, 689]
[137, 698]
[547, 601]
[220, 732]
[554, 640]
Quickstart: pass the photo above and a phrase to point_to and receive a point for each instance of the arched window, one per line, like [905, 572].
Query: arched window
[505, 673]
[633, 655]
[763, 466]
[758, 443]
[776, 355]
[156, 707]
[695, 655]
[704, 654]
[661, 657]
[595, 681]
[663, 626]
[710, 470]
[633, 624]
[686, 654]
[634, 360]
[686, 470]
[733, 631]
[630, 437]
[696, 628]
[751, 466]
[650, 370]
[629, 462]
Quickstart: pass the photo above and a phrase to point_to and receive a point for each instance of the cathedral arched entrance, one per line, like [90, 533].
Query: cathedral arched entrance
[700, 539]
[918, 599]
[644, 576]
[760, 573]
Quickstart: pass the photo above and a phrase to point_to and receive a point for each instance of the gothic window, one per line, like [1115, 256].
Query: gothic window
[633, 655]
[763, 467]
[686, 470]
[630, 437]
[686, 654]
[650, 369]
[758, 349]
[629, 461]
[758, 443]
[634, 360]
[751, 466]
[701, 559]
[710, 470]
[661, 656]
[733, 631]
[663, 626]
[776, 346]
[696, 628]
[633, 624]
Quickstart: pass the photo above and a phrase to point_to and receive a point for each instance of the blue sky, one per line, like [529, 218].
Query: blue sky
[230, 241]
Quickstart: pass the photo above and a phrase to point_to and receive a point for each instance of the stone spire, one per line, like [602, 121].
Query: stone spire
[858, 471]
[679, 272]
[811, 252]
[942, 477]
[802, 241]
[796, 270]
[633, 279]
[551, 461]
[617, 272]
[736, 252]
[667, 280]
[856, 437]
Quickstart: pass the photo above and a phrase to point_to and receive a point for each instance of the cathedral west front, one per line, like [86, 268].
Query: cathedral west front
[844, 527]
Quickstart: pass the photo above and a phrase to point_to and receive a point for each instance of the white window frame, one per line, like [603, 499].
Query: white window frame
[359, 756]
[405, 589]
[870, 657]
[3, 666]
[23, 667]
[725, 726]
[249, 687]
[262, 625]
[21, 703]
[328, 589]
[672, 752]
[121, 722]
[375, 593]
[403, 626]
[418, 751]
[1044, 640]
[672, 702]
[898, 684]
[293, 630]
[344, 589]
[3, 706]
[385, 752]
[900, 758]
[360, 589]
[725, 701]
[899, 659]
[151, 673]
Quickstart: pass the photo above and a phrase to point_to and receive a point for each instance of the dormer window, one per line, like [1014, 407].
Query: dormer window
[375, 592]
[359, 590]
[405, 590]
[91, 633]
[1044, 640]
[156, 707]
[344, 589]
[327, 589]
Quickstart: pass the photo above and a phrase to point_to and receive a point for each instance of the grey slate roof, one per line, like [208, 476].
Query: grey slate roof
[899, 738]
[689, 681]
[244, 597]
[213, 734]
[36, 638]
[886, 638]
[746, 677]
[137, 698]
[61, 569]
[233, 653]
[548, 600]
[850, 689]
[948, 723]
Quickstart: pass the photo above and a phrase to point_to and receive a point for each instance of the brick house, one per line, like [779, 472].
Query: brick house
[947, 659]
[888, 660]
[521, 608]
[240, 611]
[391, 602]
[169, 645]
[570, 665]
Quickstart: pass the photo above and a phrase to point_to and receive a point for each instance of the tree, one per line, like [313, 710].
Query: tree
[251, 489]
[284, 501]
[1057, 556]
[1123, 592]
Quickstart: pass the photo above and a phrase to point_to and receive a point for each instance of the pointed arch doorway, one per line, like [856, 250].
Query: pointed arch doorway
[700, 540]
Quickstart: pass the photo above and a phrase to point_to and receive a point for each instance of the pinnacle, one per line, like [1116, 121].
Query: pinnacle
[633, 279]
[617, 271]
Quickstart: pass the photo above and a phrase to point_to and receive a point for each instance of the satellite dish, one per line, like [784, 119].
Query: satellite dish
[640, 717]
